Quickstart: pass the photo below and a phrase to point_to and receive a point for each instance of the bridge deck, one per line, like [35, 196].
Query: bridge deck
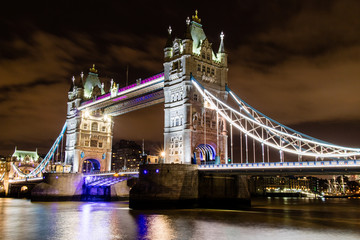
[298, 168]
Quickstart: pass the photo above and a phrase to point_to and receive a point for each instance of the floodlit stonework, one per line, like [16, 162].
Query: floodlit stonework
[89, 132]
[192, 131]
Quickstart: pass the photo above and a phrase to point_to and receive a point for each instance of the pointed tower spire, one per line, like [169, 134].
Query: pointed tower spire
[196, 18]
[221, 47]
[169, 40]
[188, 32]
[82, 78]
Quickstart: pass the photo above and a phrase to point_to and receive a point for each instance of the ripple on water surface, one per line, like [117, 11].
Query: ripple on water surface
[268, 219]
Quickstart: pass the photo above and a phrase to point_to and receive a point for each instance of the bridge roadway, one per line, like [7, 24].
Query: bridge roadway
[344, 167]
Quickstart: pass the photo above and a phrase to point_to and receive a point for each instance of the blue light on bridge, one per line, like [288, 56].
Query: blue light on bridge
[145, 171]
[157, 171]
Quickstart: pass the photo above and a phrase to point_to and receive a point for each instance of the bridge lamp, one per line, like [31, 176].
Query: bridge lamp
[116, 175]
[107, 118]
[162, 154]
[86, 113]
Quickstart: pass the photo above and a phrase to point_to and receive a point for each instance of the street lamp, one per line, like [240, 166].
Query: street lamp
[162, 154]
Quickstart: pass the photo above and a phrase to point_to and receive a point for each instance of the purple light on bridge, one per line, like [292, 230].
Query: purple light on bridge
[127, 87]
[103, 96]
[87, 102]
[119, 98]
[157, 76]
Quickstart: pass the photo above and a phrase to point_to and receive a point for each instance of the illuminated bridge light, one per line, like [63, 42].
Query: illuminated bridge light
[157, 171]
[119, 98]
[145, 171]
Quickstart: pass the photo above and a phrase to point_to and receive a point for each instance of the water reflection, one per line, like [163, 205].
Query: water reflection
[268, 219]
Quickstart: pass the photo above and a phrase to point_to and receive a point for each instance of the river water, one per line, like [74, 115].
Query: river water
[269, 218]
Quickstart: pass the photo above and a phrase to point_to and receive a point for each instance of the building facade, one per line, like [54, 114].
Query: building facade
[193, 133]
[89, 132]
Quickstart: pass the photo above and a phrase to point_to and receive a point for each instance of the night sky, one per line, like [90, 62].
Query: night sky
[296, 61]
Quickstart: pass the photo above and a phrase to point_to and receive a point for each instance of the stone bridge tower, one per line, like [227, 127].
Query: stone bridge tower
[89, 132]
[193, 133]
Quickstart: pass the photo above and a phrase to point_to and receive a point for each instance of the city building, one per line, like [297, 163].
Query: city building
[126, 154]
[25, 156]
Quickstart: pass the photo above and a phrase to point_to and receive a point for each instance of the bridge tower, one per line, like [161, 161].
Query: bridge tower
[89, 132]
[193, 132]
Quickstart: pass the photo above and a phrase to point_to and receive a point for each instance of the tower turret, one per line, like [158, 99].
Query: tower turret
[221, 55]
[168, 47]
[92, 85]
[187, 42]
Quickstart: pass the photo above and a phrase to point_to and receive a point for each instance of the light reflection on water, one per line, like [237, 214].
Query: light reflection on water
[268, 219]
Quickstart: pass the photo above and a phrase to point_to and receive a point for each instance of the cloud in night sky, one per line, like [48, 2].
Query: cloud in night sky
[296, 61]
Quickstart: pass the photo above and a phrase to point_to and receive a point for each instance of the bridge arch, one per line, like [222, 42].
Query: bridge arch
[90, 165]
[204, 154]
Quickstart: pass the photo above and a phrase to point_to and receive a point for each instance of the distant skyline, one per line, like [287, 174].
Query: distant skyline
[296, 61]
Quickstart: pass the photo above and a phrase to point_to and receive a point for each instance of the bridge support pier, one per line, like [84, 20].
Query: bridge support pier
[162, 186]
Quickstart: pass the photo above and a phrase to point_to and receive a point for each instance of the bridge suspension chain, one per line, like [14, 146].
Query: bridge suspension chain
[254, 124]
[40, 168]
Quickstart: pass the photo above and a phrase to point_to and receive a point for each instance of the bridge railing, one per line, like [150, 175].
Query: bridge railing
[130, 170]
[284, 165]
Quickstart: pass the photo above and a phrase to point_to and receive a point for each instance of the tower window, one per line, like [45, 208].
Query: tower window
[199, 68]
[94, 126]
[103, 129]
[208, 56]
[175, 65]
[85, 126]
[195, 97]
[208, 70]
[100, 144]
[93, 143]
[212, 71]
[203, 55]
[203, 68]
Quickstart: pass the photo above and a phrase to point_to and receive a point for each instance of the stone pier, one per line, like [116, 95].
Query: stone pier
[183, 186]
[71, 187]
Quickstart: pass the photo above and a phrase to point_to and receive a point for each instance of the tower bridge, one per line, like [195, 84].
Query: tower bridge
[201, 115]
